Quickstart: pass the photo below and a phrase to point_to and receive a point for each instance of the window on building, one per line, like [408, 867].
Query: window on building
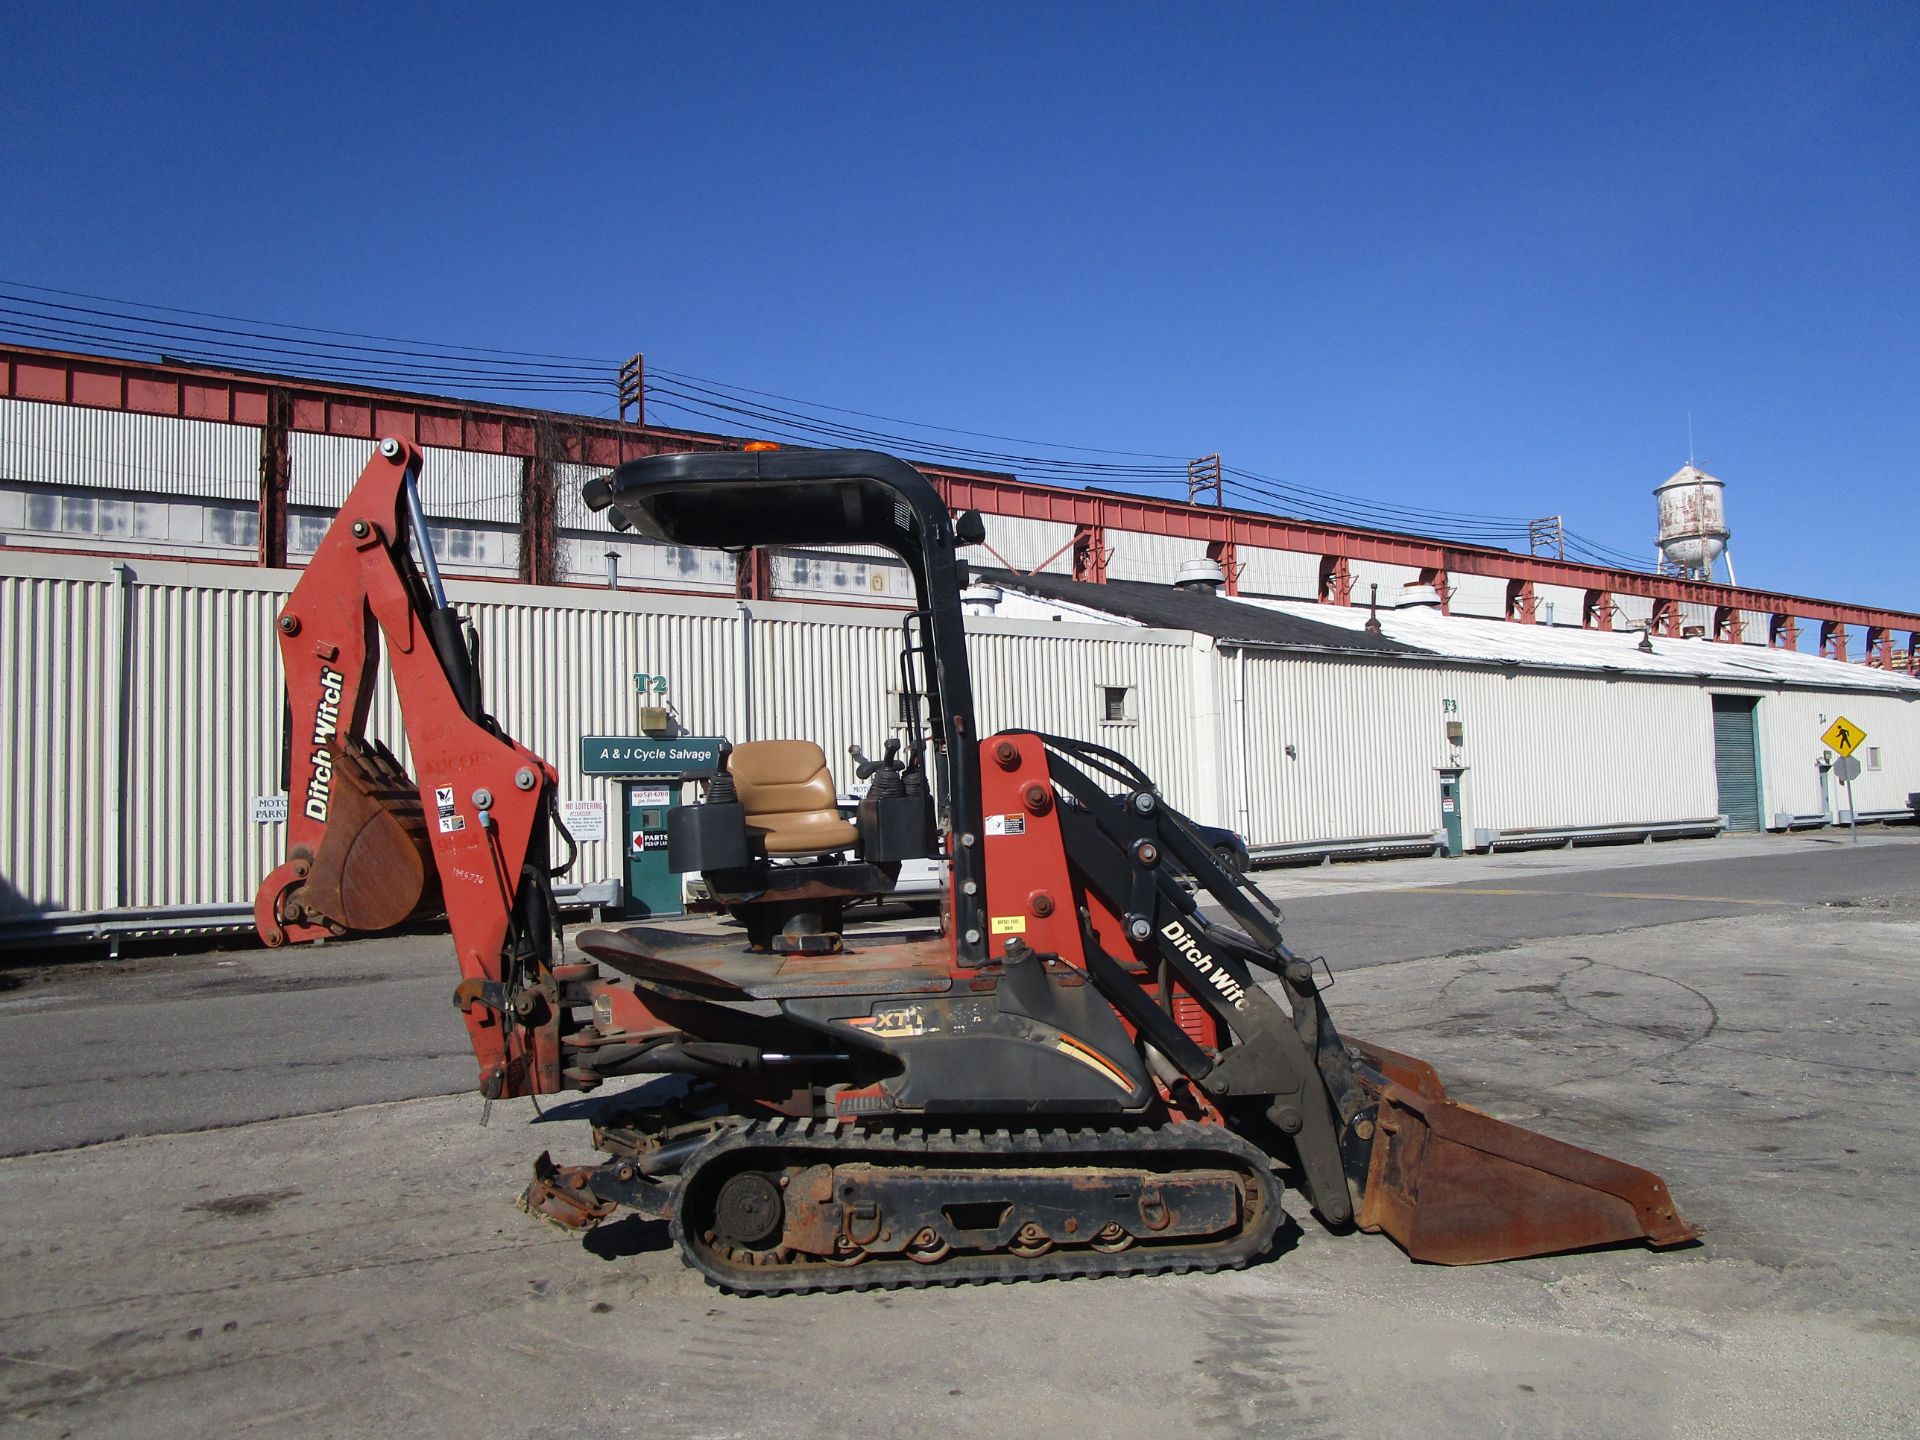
[304, 532]
[1873, 757]
[82, 513]
[466, 545]
[236, 525]
[1116, 703]
[78, 516]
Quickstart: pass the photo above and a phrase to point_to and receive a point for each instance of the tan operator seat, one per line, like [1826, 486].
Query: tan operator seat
[787, 792]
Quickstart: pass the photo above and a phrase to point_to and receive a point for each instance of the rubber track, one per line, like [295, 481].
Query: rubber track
[812, 1142]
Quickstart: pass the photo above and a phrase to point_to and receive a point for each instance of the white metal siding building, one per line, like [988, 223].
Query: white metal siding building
[143, 711]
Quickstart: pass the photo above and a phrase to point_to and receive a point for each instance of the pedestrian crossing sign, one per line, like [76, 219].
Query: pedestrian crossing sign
[1843, 737]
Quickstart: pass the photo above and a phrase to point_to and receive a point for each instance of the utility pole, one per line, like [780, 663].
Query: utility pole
[1547, 536]
[633, 388]
[1203, 475]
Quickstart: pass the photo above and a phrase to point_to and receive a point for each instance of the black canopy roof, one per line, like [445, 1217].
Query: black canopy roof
[1165, 608]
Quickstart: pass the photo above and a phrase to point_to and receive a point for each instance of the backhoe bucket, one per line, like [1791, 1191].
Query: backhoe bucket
[1454, 1186]
[374, 868]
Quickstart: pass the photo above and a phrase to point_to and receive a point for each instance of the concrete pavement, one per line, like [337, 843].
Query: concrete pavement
[94, 1051]
[363, 1270]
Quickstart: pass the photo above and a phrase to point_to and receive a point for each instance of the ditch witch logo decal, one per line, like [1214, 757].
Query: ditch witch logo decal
[326, 724]
[1217, 976]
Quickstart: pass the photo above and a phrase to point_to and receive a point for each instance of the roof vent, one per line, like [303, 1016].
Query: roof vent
[980, 599]
[1203, 577]
[1419, 593]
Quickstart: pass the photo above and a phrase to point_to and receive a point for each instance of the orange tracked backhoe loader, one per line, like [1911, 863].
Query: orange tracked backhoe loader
[1094, 1065]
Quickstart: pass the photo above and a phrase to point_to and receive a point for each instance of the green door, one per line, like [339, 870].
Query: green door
[1450, 810]
[652, 889]
[1736, 760]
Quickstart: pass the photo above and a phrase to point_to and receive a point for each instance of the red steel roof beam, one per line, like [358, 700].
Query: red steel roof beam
[240, 398]
[1336, 580]
[1879, 651]
[996, 495]
[1597, 610]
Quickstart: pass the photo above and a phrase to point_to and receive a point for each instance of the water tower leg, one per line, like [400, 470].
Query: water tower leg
[1728, 554]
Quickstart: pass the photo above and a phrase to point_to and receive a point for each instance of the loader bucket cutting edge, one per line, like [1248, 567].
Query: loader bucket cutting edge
[1453, 1186]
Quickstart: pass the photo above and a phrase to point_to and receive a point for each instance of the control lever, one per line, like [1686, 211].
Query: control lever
[886, 771]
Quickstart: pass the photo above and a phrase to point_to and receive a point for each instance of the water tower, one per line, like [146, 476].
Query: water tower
[1693, 523]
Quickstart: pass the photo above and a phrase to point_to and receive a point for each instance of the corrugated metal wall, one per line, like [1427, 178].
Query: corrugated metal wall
[205, 684]
[1052, 678]
[109, 450]
[1024, 544]
[826, 679]
[1566, 601]
[1697, 616]
[1363, 750]
[571, 513]
[1539, 750]
[62, 739]
[203, 708]
[1791, 724]
[1291, 574]
[454, 484]
[1390, 578]
[197, 735]
[1156, 558]
[1564, 750]
[1631, 611]
[1484, 595]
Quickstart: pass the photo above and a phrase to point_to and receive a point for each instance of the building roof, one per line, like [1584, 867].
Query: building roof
[1564, 647]
[1165, 608]
[1423, 631]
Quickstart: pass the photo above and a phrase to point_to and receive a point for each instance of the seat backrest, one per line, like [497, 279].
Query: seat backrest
[788, 794]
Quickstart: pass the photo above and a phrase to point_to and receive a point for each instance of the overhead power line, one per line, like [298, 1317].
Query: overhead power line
[283, 325]
[112, 324]
[916, 424]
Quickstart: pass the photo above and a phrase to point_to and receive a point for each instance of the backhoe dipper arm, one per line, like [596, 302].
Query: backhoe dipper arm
[366, 845]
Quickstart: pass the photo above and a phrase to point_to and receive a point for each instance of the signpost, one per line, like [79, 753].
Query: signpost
[1843, 737]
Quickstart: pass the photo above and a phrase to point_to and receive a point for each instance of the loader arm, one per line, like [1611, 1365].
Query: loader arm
[1377, 1140]
[370, 847]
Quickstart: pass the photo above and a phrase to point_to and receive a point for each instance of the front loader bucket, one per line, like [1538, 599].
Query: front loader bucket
[1454, 1186]
[374, 868]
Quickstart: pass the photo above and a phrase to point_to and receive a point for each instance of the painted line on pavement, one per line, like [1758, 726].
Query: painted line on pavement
[1587, 894]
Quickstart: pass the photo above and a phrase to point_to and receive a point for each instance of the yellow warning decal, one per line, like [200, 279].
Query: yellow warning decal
[1009, 924]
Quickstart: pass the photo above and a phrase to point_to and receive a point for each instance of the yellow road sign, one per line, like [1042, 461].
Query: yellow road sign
[1843, 737]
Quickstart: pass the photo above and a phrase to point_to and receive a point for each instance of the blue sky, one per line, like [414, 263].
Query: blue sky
[1468, 258]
